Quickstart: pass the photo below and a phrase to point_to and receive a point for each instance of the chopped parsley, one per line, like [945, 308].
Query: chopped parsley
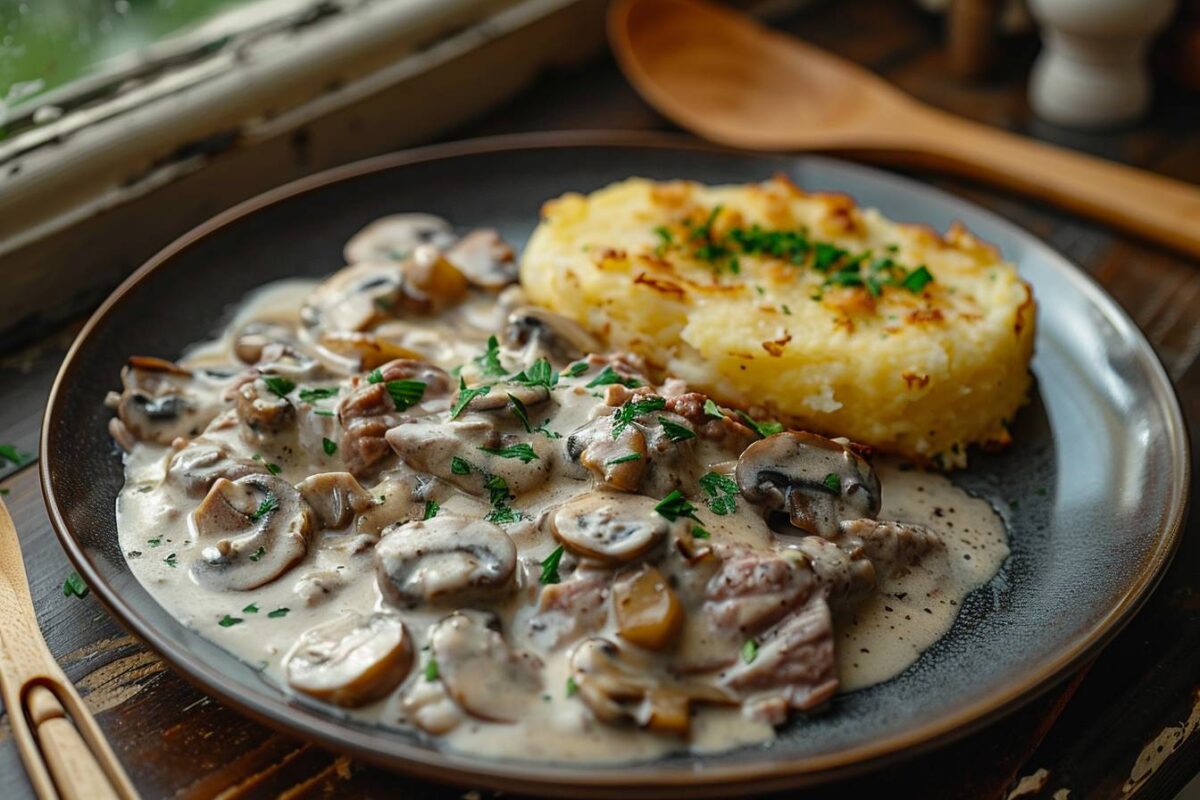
[432, 507]
[259, 553]
[74, 586]
[274, 469]
[572, 686]
[329, 445]
[916, 280]
[722, 493]
[270, 503]
[13, 455]
[314, 395]
[550, 566]
[522, 414]
[633, 409]
[282, 611]
[699, 532]
[278, 385]
[523, 451]
[623, 459]
[228, 621]
[711, 409]
[676, 432]
[154, 541]
[460, 466]
[251, 609]
[431, 670]
[171, 561]
[832, 482]
[577, 369]
[609, 376]
[375, 376]
[466, 395]
[323, 412]
[763, 429]
[539, 373]
[674, 506]
[749, 651]
[489, 362]
[665, 239]
[502, 514]
[497, 487]
[405, 393]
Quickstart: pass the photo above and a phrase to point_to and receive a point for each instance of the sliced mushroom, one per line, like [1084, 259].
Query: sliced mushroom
[817, 482]
[619, 686]
[253, 530]
[648, 612]
[196, 467]
[485, 259]
[261, 410]
[393, 238]
[335, 498]
[251, 341]
[544, 333]
[351, 661]
[617, 457]
[314, 588]
[609, 527]
[481, 672]
[162, 401]
[447, 560]
[430, 708]
[360, 352]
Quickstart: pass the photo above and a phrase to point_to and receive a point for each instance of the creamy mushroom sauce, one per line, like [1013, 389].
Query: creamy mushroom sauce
[559, 603]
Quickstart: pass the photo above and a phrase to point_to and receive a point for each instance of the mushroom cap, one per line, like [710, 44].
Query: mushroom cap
[816, 481]
[446, 560]
[162, 401]
[485, 259]
[610, 527]
[336, 498]
[352, 660]
[480, 671]
[393, 238]
[559, 339]
[258, 527]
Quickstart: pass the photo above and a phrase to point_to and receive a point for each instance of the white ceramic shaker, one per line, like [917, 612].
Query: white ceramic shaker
[1092, 70]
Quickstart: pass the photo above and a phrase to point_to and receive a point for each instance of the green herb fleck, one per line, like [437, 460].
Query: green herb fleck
[523, 451]
[623, 459]
[572, 687]
[251, 609]
[550, 566]
[699, 533]
[74, 586]
[154, 541]
[323, 412]
[540, 373]
[269, 504]
[749, 651]
[786, 310]
[763, 429]
[432, 507]
[609, 376]
[711, 409]
[259, 553]
[489, 362]
[460, 466]
[916, 280]
[375, 376]
[405, 393]
[577, 369]
[722, 493]
[431, 670]
[330, 446]
[278, 385]
[466, 395]
[314, 395]
[228, 621]
[674, 431]
[13, 455]
[674, 506]
[279, 612]
[832, 482]
[633, 409]
[171, 561]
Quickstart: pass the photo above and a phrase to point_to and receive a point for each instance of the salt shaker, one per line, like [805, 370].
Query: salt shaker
[1092, 70]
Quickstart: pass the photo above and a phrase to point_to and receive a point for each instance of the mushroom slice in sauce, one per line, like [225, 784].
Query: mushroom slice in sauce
[251, 341]
[196, 467]
[648, 611]
[359, 352]
[445, 561]
[543, 333]
[892, 546]
[816, 481]
[618, 686]
[253, 530]
[609, 527]
[618, 462]
[162, 401]
[261, 410]
[393, 238]
[481, 672]
[335, 498]
[485, 259]
[351, 661]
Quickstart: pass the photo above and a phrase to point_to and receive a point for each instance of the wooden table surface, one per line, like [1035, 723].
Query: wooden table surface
[1123, 727]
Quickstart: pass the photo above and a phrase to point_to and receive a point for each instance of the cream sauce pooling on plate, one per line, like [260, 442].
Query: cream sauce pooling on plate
[571, 565]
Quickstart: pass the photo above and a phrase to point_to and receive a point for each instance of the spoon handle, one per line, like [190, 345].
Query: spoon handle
[1156, 207]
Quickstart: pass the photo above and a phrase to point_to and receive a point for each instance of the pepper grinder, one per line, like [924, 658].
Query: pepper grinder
[1092, 70]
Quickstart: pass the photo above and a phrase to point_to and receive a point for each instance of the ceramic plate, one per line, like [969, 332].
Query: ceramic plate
[1093, 491]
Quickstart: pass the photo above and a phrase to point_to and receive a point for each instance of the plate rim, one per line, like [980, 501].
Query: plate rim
[544, 779]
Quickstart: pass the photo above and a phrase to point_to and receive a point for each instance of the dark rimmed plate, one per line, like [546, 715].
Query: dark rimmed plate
[1094, 489]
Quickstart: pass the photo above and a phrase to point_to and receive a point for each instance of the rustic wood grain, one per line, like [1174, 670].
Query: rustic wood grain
[1086, 735]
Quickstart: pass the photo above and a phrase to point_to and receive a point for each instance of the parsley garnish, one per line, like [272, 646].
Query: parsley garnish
[432, 507]
[676, 432]
[497, 488]
[278, 385]
[228, 621]
[550, 566]
[633, 409]
[274, 469]
[832, 482]
[522, 414]
[269, 504]
[259, 553]
[279, 612]
[674, 506]
[763, 429]
[916, 280]
[749, 651]
[171, 561]
[74, 586]
[375, 376]
[502, 514]
[609, 376]
[665, 237]
[466, 395]
[699, 533]
[711, 409]
[431, 670]
[539, 373]
[323, 412]
[405, 393]
[251, 609]
[154, 541]
[572, 686]
[521, 451]
[313, 395]
[330, 446]
[489, 362]
[13, 455]
[623, 459]
[722, 493]
[577, 369]
[460, 466]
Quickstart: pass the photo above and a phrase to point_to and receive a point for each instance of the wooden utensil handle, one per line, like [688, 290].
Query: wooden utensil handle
[1151, 205]
[77, 773]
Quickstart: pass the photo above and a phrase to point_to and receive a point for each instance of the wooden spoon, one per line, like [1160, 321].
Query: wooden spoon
[64, 751]
[733, 80]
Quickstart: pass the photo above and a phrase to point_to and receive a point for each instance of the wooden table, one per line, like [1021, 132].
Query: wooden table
[1123, 727]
